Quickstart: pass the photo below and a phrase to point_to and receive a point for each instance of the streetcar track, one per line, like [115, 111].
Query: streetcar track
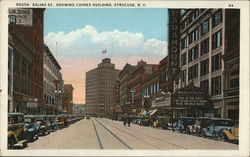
[114, 135]
[97, 135]
[148, 136]
[133, 136]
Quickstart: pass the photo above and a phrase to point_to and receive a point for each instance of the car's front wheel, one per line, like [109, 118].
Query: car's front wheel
[224, 137]
[203, 134]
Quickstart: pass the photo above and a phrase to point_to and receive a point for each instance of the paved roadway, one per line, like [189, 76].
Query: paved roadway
[100, 133]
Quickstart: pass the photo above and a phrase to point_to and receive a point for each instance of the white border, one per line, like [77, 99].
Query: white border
[244, 84]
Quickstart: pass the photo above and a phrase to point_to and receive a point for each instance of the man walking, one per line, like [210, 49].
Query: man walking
[124, 120]
[129, 121]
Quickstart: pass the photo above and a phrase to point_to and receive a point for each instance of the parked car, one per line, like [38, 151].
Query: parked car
[17, 133]
[231, 135]
[182, 123]
[137, 120]
[32, 126]
[163, 122]
[200, 123]
[51, 119]
[44, 126]
[87, 117]
[216, 127]
[147, 121]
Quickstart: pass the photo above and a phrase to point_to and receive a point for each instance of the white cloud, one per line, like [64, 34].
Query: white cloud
[88, 42]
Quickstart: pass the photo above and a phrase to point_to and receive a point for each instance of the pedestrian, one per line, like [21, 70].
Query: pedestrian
[129, 121]
[124, 120]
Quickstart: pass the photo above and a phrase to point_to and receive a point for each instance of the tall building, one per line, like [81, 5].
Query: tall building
[28, 63]
[67, 99]
[99, 88]
[52, 85]
[205, 36]
[124, 78]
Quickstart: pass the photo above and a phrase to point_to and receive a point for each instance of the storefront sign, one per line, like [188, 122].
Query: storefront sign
[173, 47]
[20, 16]
[161, 101]
[190, 101]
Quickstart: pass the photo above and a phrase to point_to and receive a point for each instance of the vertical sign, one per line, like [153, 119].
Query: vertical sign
[173, 48]
[20, 16]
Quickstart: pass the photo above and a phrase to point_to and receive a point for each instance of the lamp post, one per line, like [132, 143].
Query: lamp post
[57, 96]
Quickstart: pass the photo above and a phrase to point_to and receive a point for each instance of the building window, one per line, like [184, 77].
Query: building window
[184, 23]
[194, 15]
[183, 75]
[204, 46]
[234, 79]
[193, 36]
[217, 17]
[193, 72]
[204, 86]
[216, 62]
[183, 59]
[205, 27]
[193, 53]
[204, 67]
[216, 85]
[216, 40]
[184, 43]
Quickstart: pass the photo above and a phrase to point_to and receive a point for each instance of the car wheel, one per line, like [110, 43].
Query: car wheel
[224, 137]
[214, 136]
[203, 134]
[25, 144]
[187, 131]
[10, 144]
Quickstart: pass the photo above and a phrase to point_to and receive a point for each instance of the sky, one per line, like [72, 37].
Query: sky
[77, 37]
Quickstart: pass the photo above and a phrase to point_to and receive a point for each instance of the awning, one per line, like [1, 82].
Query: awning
[153, 112]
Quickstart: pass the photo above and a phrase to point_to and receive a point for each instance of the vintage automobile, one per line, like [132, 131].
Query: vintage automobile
[87, 117]
[216, 127]
[137, 120]
[147, 121]
[163, 122]
[196, 128]
[43, 123]
[231, 135]
[182, 123]
[51, 119]
[32, 126]
[17, 133]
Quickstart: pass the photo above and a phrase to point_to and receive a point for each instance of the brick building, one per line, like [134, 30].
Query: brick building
[124, 78]
[67, 99]
[28, 63]
[141, 72]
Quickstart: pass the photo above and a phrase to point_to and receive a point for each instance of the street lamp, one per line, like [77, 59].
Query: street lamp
[57, 95]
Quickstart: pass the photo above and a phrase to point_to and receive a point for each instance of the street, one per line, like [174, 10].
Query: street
[101, 133]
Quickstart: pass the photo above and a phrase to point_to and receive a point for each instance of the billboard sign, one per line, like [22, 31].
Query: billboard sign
[20, 16]
[173, 47]
[32, 104]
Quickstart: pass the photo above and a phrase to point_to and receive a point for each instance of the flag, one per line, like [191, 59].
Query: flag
[104, 51]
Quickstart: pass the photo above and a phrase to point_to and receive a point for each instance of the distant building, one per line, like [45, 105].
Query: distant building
[79, 109]
[52, 85]
[99, 88]
[68, 99]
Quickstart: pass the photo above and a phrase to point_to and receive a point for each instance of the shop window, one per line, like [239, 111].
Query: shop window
[217, 17]
[205, 27]
[204, 67]
[204, 46]
[216, 85]
[216, 62]
[217, 40]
